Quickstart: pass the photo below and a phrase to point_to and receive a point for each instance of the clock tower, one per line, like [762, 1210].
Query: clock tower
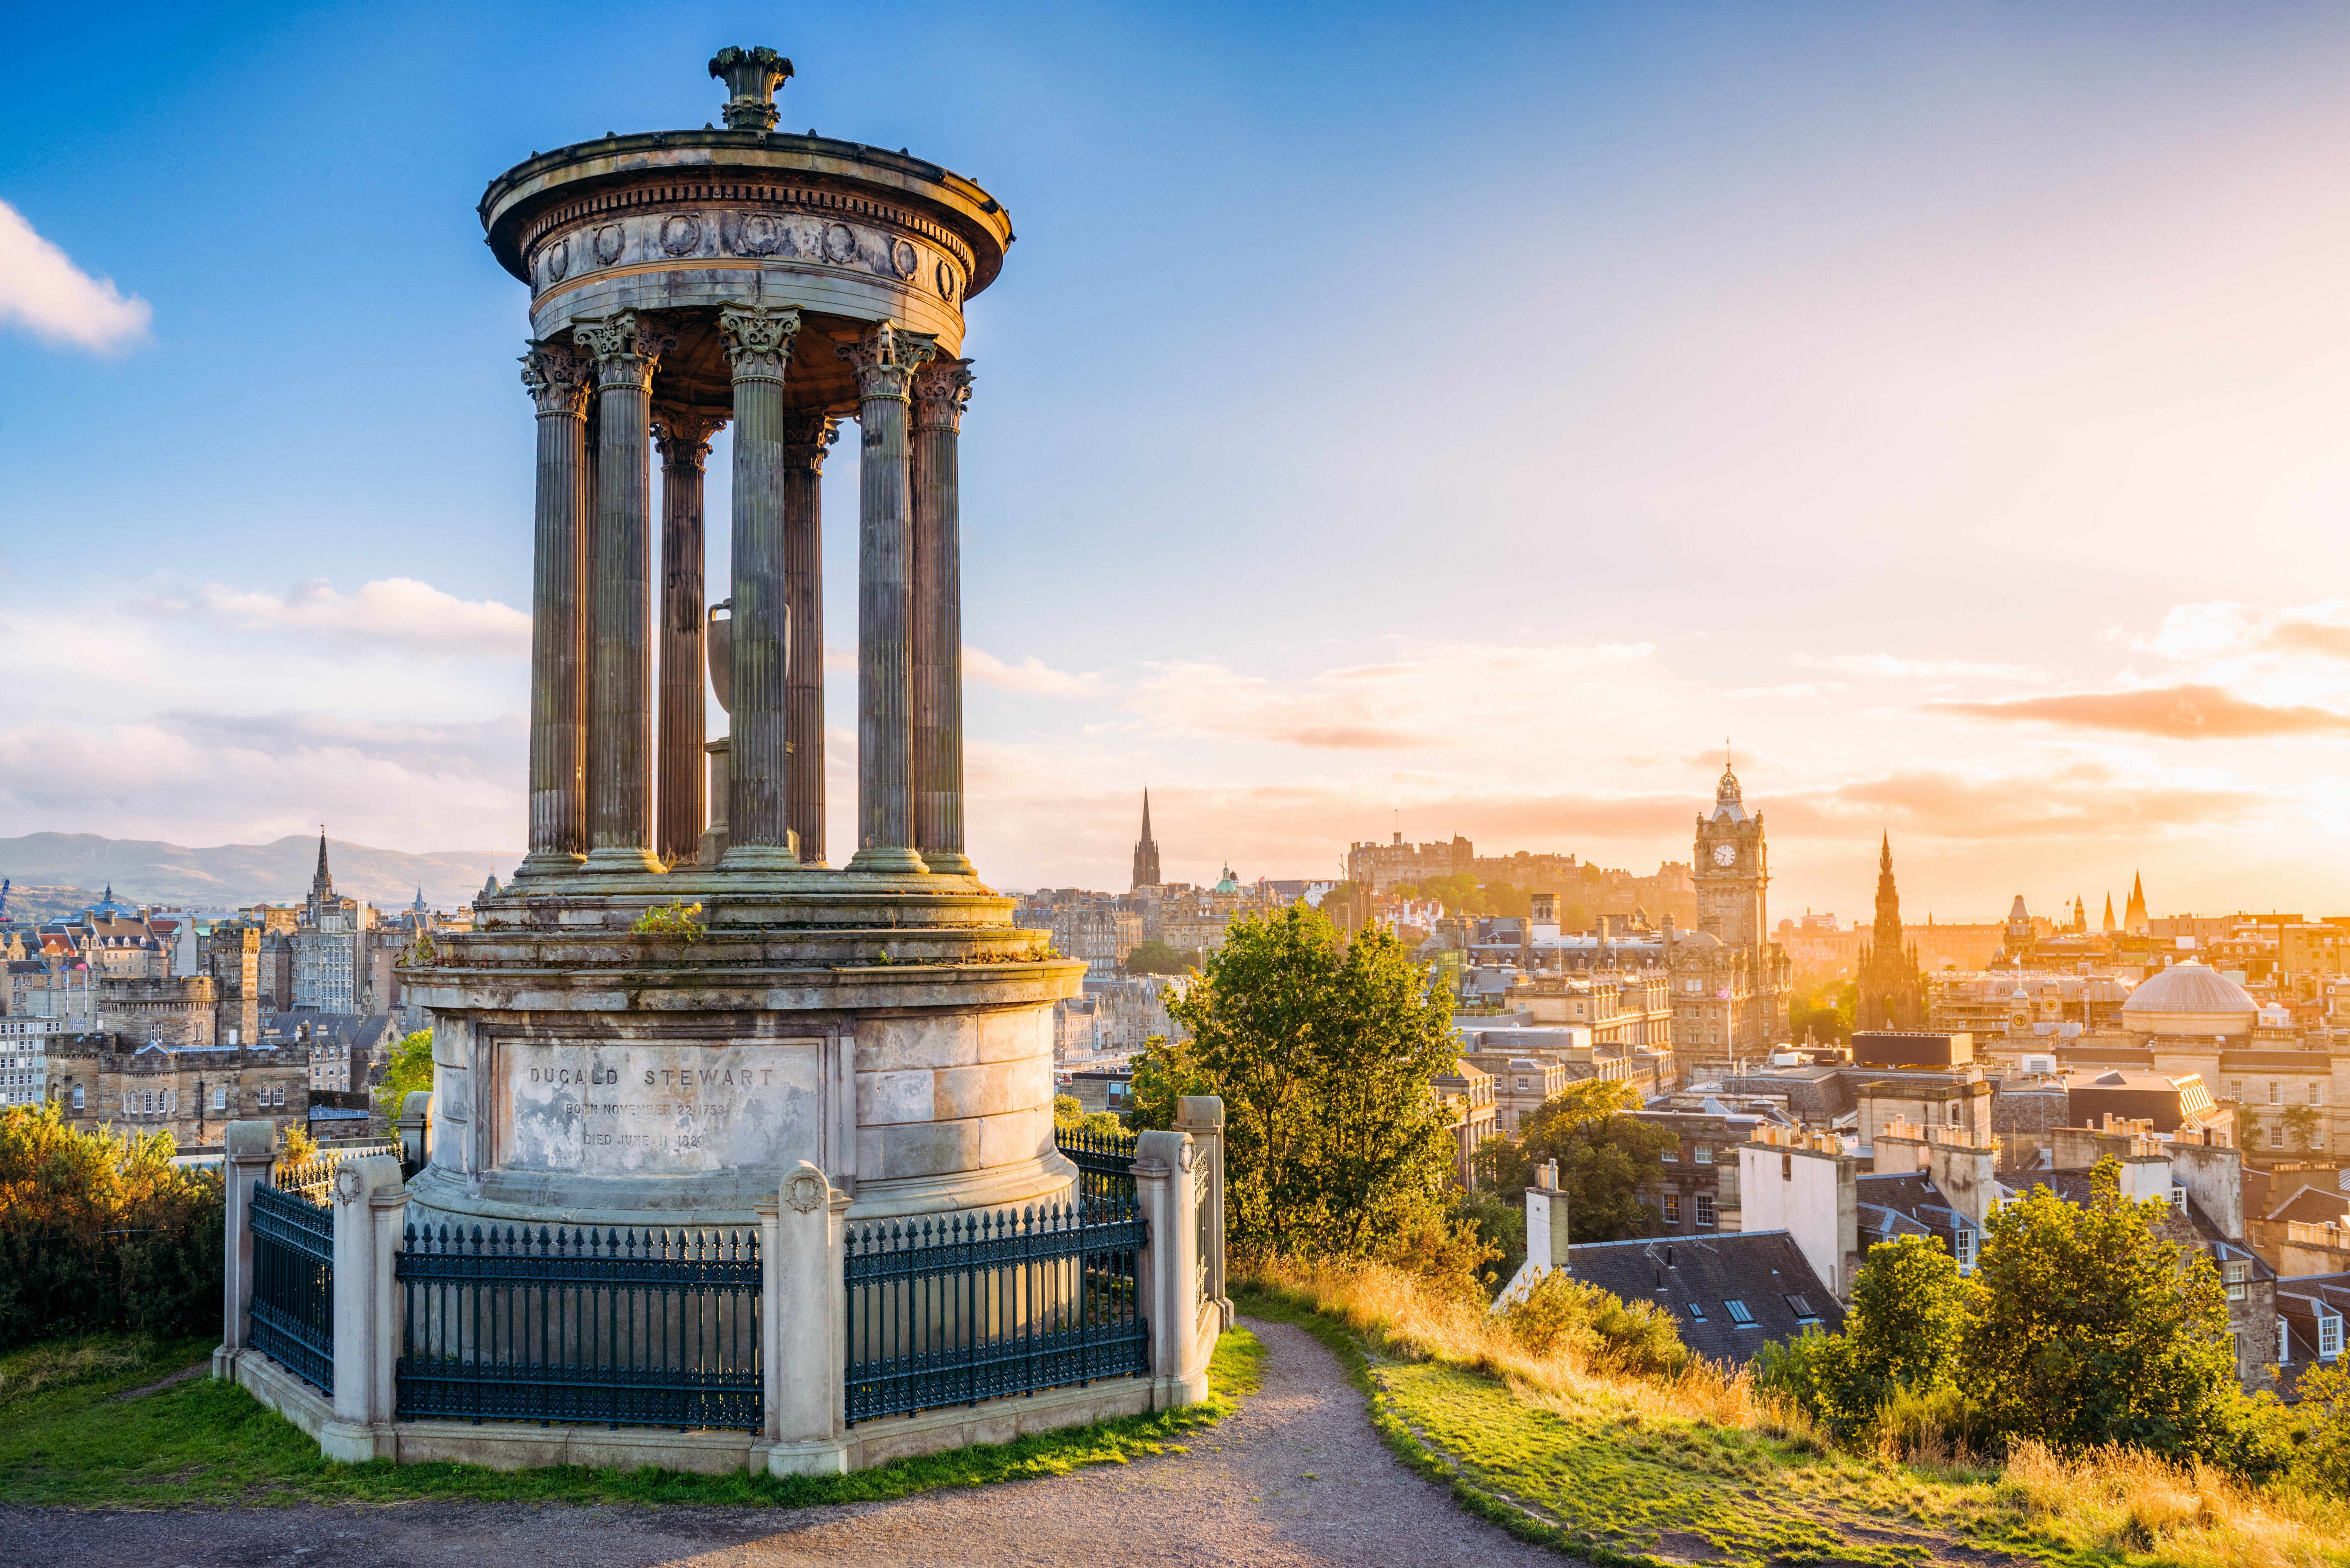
[1732, 869]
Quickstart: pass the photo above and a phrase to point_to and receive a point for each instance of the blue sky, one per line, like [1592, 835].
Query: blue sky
[1471, 415]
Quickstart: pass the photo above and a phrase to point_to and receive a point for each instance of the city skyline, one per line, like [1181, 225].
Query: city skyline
[1943, 407]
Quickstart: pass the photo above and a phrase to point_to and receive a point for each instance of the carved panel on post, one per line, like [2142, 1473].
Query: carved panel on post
[885, 360]
[940, 391]
[759, 349]
[683, 436]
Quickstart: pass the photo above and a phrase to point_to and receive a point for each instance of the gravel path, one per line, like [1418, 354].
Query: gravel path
[1295, 1477]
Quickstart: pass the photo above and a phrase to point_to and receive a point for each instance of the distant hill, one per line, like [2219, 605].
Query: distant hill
[31, 905]
[148, 871]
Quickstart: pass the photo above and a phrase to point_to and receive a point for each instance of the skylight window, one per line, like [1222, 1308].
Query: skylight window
[1738, 1312]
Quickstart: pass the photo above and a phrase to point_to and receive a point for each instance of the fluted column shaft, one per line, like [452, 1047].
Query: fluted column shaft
[941, 389]
[807, 437]
[681, 768]
[758, 809]
[885, 361]
[558, 732]
[620, 670]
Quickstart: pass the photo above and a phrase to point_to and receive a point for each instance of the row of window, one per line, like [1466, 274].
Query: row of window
[1704, 1209]
[2316, 1091]
[1740, 1315]
[165, 1102]
[1702, 1155]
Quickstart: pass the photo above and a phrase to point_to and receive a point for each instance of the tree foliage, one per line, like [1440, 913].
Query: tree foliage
[1154, 957]
[1605, 1332]
[1069, 1115]
[1901, 1337]
[1826, 1009]
[1604, 1159]
[99, 1230]
[1326, 1057]
[2091, 1328]
[410, 1068]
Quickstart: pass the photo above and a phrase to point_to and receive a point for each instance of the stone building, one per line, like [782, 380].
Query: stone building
[1467, 1093]
[229, 952]
[172, 1013]
[1520, 1083]
[1730, 980]
[190, 1092]
[1146, 851]
[329, 947]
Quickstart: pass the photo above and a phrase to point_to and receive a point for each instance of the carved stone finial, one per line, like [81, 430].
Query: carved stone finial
[752, 76]
[556, 379]
[683, 434]
[758, 339]
[941, 387]
[886, 359]
[805, 438]
[625, 346]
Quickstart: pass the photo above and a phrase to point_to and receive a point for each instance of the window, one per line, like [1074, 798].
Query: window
[2237, 1276]
[2276, 1135]
[1738, 1312]
[2178, 1198]
[1963, 1248]
[77, 1096]
[2329, 1334]
[1705, 1208]
[1521, 1082]
[2276, 1093]
[1705, 1154]
[1673, 1155]
[2316, 1094]
[1697, 1310]
[1672, 1208]
[2236, 1090]
[1803, 1307]
[2284, 1342]
[219, 1097]
[1786, 1168]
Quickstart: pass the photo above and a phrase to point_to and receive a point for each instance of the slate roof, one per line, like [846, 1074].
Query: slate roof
[1816, 1094]
[1697, 1277]
[2309, 1205]
[2299, 1301]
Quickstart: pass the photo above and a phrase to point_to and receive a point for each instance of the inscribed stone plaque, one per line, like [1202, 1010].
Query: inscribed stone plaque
[640, 1108]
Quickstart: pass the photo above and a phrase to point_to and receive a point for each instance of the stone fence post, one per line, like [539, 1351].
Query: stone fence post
[1165, 1164]
[416, 1128]
[1202, 1115]
[803, 1251]
[370, 1201]
[247, 1151]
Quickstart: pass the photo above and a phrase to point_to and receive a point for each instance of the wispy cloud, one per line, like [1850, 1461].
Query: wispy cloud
[2172, 712]
[1452, 695]
[402, 611]
[43, 291]
[1890, 667]
[1031, 674]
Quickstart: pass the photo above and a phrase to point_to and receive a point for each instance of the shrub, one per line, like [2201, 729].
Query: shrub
[1562, 1315]
[100, 1231]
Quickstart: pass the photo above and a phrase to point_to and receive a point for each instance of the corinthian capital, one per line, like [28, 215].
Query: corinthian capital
[556, 379]
[886, 359]
[758, 340]
[941, 387]
[683, 434]
[625, 347]
[805, 437]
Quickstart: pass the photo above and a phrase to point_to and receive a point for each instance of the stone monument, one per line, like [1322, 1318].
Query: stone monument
[678, 1000]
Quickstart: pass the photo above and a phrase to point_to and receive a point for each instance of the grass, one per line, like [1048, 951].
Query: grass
[1621, 1470]
[68, 1440]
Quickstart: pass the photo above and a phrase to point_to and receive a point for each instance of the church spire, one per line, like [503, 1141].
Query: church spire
[322, 884]
[1146, 849]
[2134, 918]
[2109, 914]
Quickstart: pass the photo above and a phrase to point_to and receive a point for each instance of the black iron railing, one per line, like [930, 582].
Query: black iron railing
[294, 1283]
[971, 1307]
[1105, 1163]
[628, 1328]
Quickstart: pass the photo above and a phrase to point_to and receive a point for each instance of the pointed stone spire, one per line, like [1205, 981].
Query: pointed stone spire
[322, 884]
[1146, 849]
[2109, 914]
[2134, 918]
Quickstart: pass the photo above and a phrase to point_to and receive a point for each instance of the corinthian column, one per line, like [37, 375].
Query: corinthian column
[558, 734]
[941, 389]
[681, 768]
[885, 360]
[620, 669]
[759, 349]
[805, 439]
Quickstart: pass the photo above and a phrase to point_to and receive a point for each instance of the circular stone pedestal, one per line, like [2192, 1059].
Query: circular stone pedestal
[896, 1032]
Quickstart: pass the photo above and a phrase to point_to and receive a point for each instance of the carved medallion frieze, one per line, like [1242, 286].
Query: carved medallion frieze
[680, 235]
[946, 280]
[559, 259]
[904, 259]
[611, 240]
[840, 244]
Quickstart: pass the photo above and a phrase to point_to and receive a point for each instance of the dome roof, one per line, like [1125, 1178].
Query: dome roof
[2192, 987]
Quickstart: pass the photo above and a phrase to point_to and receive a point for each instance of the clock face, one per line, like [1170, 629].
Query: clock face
[1725, 853]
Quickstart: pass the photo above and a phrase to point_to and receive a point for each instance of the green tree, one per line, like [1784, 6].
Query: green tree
[1069, 1115]
[1325, 1056]
[2300, 1126]
[408, 1069]
[2323, 1461]
[1155, 956]
[1460, 894]
[1902, 1336]
[1825, 1009]
[1604, 1157]
[2092, 1328]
